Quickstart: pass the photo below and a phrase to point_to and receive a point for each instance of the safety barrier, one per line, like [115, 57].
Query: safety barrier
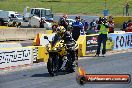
[82, 44]
[88, 44]
[21, 33]
[10, 45]
[13, 57]
[43, 54]
[121, 41]
[116, 41]
[120, 19]
[5, 27]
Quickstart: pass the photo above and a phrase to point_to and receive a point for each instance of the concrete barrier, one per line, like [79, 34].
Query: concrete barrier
[2, 38]
[20, 33]
[9, 45]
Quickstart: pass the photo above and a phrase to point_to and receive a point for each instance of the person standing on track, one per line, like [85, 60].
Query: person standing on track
[102, 38]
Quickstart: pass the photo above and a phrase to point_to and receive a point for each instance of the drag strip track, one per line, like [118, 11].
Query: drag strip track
[39, 77]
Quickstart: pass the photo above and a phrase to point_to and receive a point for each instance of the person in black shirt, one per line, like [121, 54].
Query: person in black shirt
[42, 21]
[63, 22]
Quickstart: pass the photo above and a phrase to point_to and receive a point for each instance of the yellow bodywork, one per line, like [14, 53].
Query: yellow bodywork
[62, 51]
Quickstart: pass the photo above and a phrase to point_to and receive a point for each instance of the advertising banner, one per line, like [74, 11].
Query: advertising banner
[15, 57]
[91, 44]
[121, 41]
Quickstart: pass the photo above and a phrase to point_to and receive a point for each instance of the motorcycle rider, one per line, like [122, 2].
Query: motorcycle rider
[62, 34]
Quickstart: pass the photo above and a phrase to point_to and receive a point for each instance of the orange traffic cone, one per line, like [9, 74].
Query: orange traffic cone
[37, 40]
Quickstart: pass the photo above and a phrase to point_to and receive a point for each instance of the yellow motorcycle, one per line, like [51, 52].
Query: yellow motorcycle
[61, 59]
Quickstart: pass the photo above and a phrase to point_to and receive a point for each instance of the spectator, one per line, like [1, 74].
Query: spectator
[63, 22]
[129, 23]
[127, 9]
[102, 38]
[92, 30]
[54, 27]
[100, 20]
[124, 25]
[85, 24]
[77, 28]
[42, 21]
[111, 24]
[93, 23]
[99, 23]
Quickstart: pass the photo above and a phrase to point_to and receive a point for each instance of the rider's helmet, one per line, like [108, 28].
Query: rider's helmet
[61, 29]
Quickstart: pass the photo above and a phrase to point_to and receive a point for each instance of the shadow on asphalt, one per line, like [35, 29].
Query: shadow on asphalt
[41, 75]
[93, 56]
[48, 75]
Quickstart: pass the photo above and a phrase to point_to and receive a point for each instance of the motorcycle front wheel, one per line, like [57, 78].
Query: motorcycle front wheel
[51, 66]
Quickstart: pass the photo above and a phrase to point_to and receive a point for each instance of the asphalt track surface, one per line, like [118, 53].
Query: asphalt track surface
[39, 78]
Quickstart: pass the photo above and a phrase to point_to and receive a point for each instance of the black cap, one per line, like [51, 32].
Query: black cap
[77, 17]
[104, 19]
